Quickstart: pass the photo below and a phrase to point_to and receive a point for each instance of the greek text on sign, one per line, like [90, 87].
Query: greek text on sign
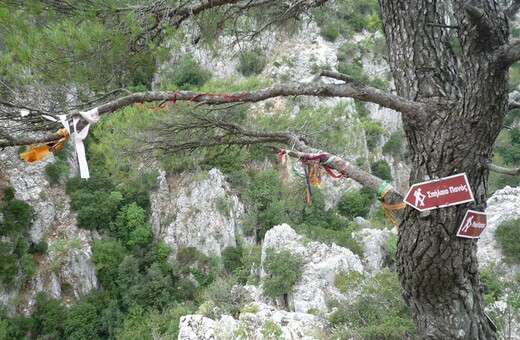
[473, 224]
[438, 193]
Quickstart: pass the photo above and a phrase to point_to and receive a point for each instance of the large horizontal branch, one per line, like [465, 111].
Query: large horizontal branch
[192, 130]
[348, 90]
[393, 196]
[502, 170]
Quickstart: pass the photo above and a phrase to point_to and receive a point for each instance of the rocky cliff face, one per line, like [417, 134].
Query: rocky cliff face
[502, 206]
[65, 270]
[323, 263]
[312, 292]
[197, 210]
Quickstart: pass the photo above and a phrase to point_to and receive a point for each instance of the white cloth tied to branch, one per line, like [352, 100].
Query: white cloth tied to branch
[92, 117]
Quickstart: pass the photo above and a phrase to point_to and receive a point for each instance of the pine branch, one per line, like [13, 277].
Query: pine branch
[502, 170]
[347, 90]
[348, 170]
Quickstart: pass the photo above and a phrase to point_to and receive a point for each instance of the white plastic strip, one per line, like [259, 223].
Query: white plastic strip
[64, 122]
[91, 117]
[24, 112]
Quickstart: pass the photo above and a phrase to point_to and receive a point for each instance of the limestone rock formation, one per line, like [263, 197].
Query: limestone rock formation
[67, 262]
[197, 210]
[322, 264]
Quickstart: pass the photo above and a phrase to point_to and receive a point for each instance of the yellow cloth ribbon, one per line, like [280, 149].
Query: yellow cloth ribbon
[37, 152]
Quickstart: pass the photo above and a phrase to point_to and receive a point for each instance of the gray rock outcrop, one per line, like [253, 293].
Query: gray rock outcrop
[197, 210]
[67, 261]
[321, 265]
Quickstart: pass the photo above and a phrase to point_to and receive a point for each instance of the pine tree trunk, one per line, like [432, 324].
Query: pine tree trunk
[466, 96]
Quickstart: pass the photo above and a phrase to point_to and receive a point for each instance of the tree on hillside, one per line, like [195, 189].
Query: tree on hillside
[449, 62]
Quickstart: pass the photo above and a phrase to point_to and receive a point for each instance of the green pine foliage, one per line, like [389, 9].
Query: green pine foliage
[73, 46]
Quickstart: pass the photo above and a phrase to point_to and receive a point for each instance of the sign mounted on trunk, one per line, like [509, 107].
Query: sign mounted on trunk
[438, 193]
[473, 224]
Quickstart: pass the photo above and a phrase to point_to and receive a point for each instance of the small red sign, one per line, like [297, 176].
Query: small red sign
[438, 193]
[473, 224]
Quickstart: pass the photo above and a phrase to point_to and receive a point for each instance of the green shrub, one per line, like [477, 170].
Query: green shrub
[131, 227]
[395, 144]
[157, 288]
[227, 296]
[356, 203]
[56, 170]
[8, 194]
[268, 200]
[247, 273]
[251, 62]
[391, 249]
[232, 258]
[17, 217]
[82, 321]
[187, 73]
[378, 313]
[48, 318]
[27, 266]
[97, 181]
[283, 269]
[9, 267]
[346, 51]
[39, 248]
[381, 169]
[271, 330]
[330, 32]
[348, 281]
[493, 287]
[95, 210]
[508, 236]
[179, 309]
[373, 132]
[107, 254]
[16, 327]
[507, 145]
[204, 269]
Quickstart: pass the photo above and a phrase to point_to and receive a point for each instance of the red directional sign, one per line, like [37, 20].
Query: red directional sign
[439, 193]
[473, 224]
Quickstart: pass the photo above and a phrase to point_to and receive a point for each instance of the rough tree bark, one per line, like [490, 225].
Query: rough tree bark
[466, 99]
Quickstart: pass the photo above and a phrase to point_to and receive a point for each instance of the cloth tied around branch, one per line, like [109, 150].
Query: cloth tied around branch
[37, 152]
[383, 189]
